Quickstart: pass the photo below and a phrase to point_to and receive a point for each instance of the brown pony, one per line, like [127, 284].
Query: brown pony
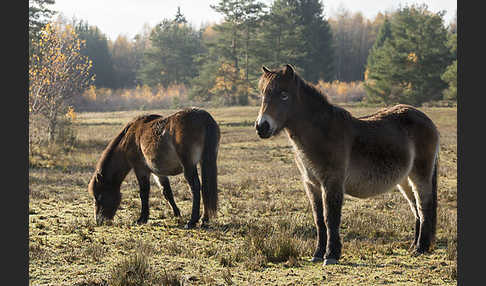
[339, 154]
[151, 144]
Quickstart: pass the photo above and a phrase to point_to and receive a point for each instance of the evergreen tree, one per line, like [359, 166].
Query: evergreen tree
[234, 49]
[381, 89]
[39, 16]
[124, 62]
[179, 17]
[450, 75]
[295, 32]
[408, 66]
[383, 34]
[318, 64]
[97, 50]
[141, 42]
[170, 58]
[283, 35]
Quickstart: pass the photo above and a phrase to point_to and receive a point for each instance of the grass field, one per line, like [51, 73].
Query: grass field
[264, 233]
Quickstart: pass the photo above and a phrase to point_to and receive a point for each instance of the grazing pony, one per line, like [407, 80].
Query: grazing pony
[151, 144]
[339, 154]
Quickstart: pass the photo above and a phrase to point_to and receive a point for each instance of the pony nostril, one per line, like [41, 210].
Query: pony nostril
[263, 128]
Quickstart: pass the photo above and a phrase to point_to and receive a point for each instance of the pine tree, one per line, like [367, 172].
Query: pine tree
[318, 64]
[39, 16]
[96, 48]
[295, 32]
[379, 85]
[283, 36]
[179, 17]
[408, 66]
[171, 57]
[235, 48]
[450, 75]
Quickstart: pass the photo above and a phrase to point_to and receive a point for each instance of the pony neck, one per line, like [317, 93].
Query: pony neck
[312, 113]
[115, 169]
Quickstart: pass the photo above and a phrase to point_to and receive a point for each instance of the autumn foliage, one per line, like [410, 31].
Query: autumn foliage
[57, 73]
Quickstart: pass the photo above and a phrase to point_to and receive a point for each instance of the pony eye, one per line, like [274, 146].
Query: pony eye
[284, 95]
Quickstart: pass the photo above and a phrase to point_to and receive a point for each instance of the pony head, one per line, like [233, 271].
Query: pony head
[106, 197]
[278, 89]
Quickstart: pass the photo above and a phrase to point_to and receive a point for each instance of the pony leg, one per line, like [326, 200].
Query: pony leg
[164, 184]
[426, 196]
[332, 193]
[406, 189]
[313, 190]
[315, 197]
[192, 178]
[144, 184]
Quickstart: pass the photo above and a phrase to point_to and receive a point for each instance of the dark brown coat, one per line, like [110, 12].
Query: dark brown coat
[151, 144]
[337, 153]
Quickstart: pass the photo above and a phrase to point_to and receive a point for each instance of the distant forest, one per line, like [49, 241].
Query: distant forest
[407, 55]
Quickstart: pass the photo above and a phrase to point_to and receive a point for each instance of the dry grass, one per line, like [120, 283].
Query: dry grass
[264, 232]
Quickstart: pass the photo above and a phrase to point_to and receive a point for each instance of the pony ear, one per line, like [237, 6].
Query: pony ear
[98, 177]
[289, 70]
[265, 69]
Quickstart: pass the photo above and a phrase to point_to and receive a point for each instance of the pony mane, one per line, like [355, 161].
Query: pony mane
[265, 80]
[317, 101]
[106, 155]
[108, 152]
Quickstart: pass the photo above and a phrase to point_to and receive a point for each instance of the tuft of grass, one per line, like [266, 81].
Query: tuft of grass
[266, 243]
[170, 279]
[227, 276]
[256, 262]
[37, 252]
[133, 271]
[95, 251]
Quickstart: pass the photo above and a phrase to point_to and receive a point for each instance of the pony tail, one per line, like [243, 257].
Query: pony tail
[434, 195]
[209, 169]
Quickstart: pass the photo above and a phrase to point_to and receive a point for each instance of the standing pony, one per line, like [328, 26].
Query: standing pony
[151, 144]
[339, 154]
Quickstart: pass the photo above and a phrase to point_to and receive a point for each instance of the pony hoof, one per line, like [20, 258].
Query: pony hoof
[317, 259]
[190, 225]
[205, 225]
[141, 221]
[330, 261]
[418, 252]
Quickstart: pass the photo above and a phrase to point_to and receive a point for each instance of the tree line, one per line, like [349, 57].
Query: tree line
[407, 55]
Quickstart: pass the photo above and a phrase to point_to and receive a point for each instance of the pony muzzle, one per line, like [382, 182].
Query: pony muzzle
[99, 219]
[263, 130]
[103, 220]
[264, 127]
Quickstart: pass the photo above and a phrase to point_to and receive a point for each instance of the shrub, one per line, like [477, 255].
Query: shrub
[135, 270]
[340, 92]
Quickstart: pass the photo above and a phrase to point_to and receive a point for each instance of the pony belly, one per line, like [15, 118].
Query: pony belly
[165, 163]
[168, 170]
[365, 190]
[365, 185]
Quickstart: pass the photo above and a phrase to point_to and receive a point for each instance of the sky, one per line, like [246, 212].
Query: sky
[127, 17]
